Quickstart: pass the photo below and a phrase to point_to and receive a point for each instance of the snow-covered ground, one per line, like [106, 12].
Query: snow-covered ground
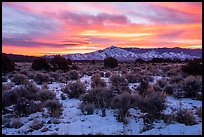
[73, 122]
[175, 129]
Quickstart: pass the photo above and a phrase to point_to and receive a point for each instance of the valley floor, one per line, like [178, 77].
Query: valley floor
[73, 122]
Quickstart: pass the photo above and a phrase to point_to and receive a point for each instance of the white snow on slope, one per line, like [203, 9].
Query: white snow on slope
[123, 54]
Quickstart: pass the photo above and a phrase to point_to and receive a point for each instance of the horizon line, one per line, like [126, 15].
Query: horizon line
[98, 50]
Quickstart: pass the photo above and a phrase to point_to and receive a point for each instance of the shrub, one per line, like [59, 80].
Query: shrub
[9, 98]
[7, 64]
[45, 94]
[56, 75]
[119, 84]
[40, 63]
[36, 125]
[41, 78]
[31, 75]
[23, 91]
[142, 88]
[178, 91]
[6, 122]
[45, 129]
[16, 123]
[96, 81]
[31, 87]
[62, 80]
[4, 79]
[7, 86]
[124, 72]
[60, 76]
[13, 96]
[139, 60]
[87, 97]
[148, 78]
[148, 122]
[59, 62]
[63, 77]
[103, 98]
[153, 104]
[173, 72]
[89, 73]
[166, 68]
[193, 67]
[54, 108]
[199, 111]
[75, 89]
[168, 118]
[133, 78]
[96, 75]
[102, 73]
[73, 74]
[110, 62]
[19, 79]
[87, 108]
[69, 61]
[44, 86]
[176, 79]
[192, 85]
[100, 97]
[25, 72]
[122, 103]
[107, 74]
[20, 92]
[185, 116]
[199, 95]
[168, 89]
[93, 61]
[25, 107]
[161, 83]
[10, 75]
[157, 88]
[63, 96]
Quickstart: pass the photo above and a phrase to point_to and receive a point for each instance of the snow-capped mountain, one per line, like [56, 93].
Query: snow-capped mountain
[112, 51]
[134, 53]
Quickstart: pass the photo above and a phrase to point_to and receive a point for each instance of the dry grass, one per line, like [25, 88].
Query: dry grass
[199, 111]
[185, 116]
[179, 85]
[74, 89]
[36, 125]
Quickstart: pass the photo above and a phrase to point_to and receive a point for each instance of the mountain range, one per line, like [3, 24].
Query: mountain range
[123, 54]
[128, 54]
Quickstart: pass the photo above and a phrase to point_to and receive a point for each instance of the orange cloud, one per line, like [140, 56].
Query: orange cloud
[51, 28]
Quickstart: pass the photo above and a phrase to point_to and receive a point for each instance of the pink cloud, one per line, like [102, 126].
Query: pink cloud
[84, 20]
[61, 25]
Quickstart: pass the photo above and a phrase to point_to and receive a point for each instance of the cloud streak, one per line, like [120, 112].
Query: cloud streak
[17, 21]
[84, 27]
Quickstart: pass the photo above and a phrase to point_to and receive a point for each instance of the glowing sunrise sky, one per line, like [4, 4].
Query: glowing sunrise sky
[43, 28]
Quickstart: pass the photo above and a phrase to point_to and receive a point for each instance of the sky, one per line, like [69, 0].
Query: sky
[45, 28]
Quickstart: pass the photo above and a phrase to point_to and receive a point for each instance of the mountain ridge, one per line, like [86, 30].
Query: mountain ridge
[125, 54]
[134, 53]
